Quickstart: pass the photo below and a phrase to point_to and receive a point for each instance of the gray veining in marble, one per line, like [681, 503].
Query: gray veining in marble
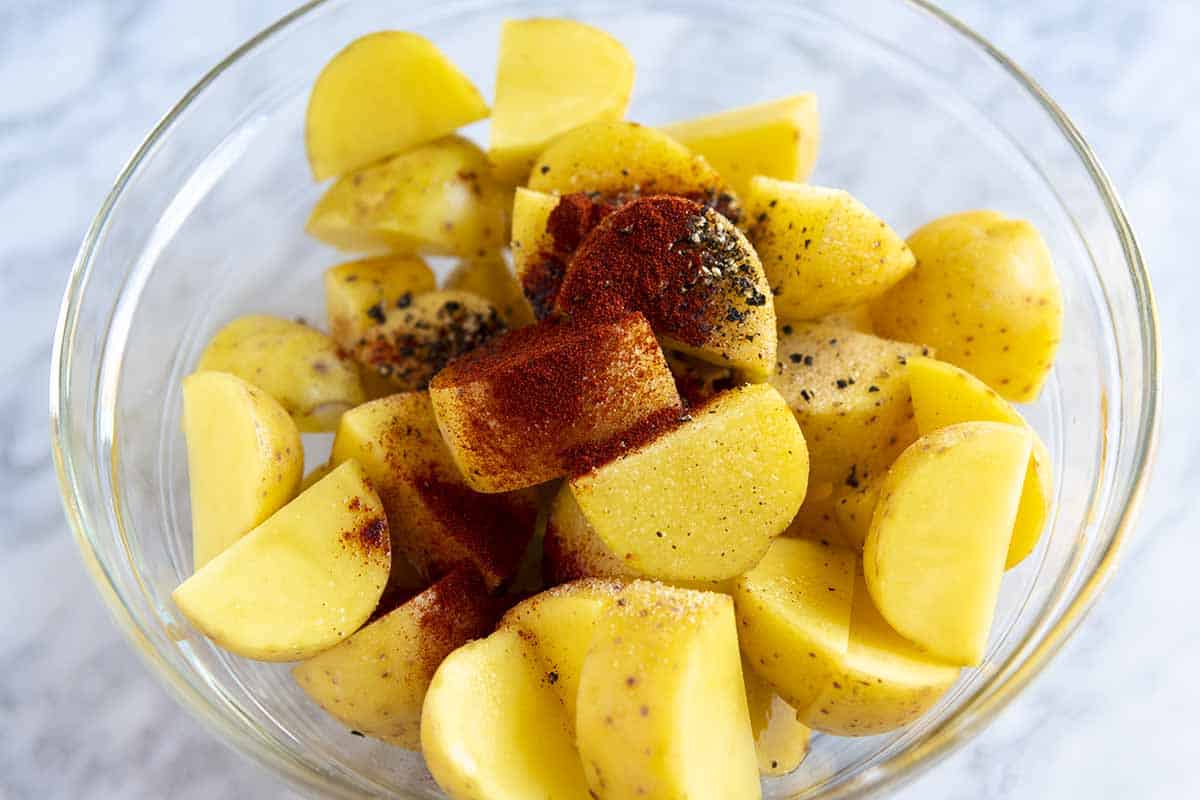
[82, 80]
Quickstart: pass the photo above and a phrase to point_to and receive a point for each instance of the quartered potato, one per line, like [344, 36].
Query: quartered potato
[439, 198]
[532, 244]
[490, 277]
[358, 294]
[302, 368]
[780, 738]
[571, 549]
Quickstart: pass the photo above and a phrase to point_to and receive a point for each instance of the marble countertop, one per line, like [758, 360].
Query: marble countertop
[81, 81]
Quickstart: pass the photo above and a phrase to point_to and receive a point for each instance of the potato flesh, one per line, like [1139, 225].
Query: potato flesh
[300, 582]
[385, 93]
[530, 239]
[780, 738]
[940, 533]
[572, 550]
[492, 727]
[245, 459]
[641, 731]
[554, 75]
[437, 199]
[778, 138]
[944, 394]
[985, 294]
[358, 293]
[489, 277]
[300, 367]
[702, 502]
[823, 250]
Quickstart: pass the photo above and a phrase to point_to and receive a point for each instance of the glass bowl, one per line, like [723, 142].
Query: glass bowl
[921, 117]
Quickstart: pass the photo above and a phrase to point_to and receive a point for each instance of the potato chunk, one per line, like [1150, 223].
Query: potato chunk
[778, 139]
[438, 523]
[375, 681]
[554, 75]
[944, 395]
[985, 294]
[642, 731]
[702, 502]
[571, 549]
[300, 367]
[780, 738]
[493, 726]
[822, 249]
[535, 404]
[438, 199]
[490, 277]
[940, 533]
[358, 294]
[385, 93]
[300, 582]
[849, 393]
[244, 459]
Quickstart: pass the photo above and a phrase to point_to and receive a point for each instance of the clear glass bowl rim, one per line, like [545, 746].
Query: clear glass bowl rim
[899, 768]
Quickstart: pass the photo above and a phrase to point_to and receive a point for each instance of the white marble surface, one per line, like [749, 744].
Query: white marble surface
[80, 83]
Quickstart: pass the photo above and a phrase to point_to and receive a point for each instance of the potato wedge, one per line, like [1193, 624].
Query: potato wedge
[385, 93]
[374, 682]
[641, 732]
[554, 75]
[853, 509]
[702, 502]
[985, 294]
[780, 738]
[300, 582]
[300, 367]
[490, 277]
[438, 199]
[538, 268]
[940, 534]
[778, 138]
[244, 459]
[823, 250]
[945, 395]
[493, 727]
[358, 294]
[572, 550]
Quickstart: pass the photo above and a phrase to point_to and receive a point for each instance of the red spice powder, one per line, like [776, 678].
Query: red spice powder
[559, 565]
[369, 536]
[588, 457]
[568, 224]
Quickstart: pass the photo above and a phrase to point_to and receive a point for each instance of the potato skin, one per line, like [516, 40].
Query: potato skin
[358, 292]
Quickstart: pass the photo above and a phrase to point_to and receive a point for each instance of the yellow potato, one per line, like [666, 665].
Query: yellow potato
[493, 728]
[358, 294]
[385, 93]
[985, 294]
[642, 727]
[816, 519]
[944, 395]
[939, 536]
[794, 618]
[244, 459]
[318, 472]
[300, 582]
[823, 250]
[778, 138]
[780, 738]
[439, 199]
[374, 682]
[438, 523]
[489, 276]
[849, 393]
[572, 550]
[531, 242]
[300, 367]
[699, 381]
[554, 75]
[853, 509]
[702, 502]
[856, 318]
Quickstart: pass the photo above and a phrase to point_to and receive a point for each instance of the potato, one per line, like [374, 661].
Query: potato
[489, 276]
[418, 336]
[300, 367]
[939, 536]
[794, 618]
[244, 459]
[539, 269]
[549, 399]
[572, 550]
[944, 395]
[855, 318]
[554, 75]
[561, 623]
[438, 199]
[985, 294]
[358, 294]
[317, 473]
[374, 682]
[778, 138]
[493, 727]
[823, 250]
[698, 381]
[849, 393]
[780, 738]
[642, 729]
[689, 270]
[438, 523]
[300, 582]
[385, 93]
[853, 509]
[816, 519]
[702, 502]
